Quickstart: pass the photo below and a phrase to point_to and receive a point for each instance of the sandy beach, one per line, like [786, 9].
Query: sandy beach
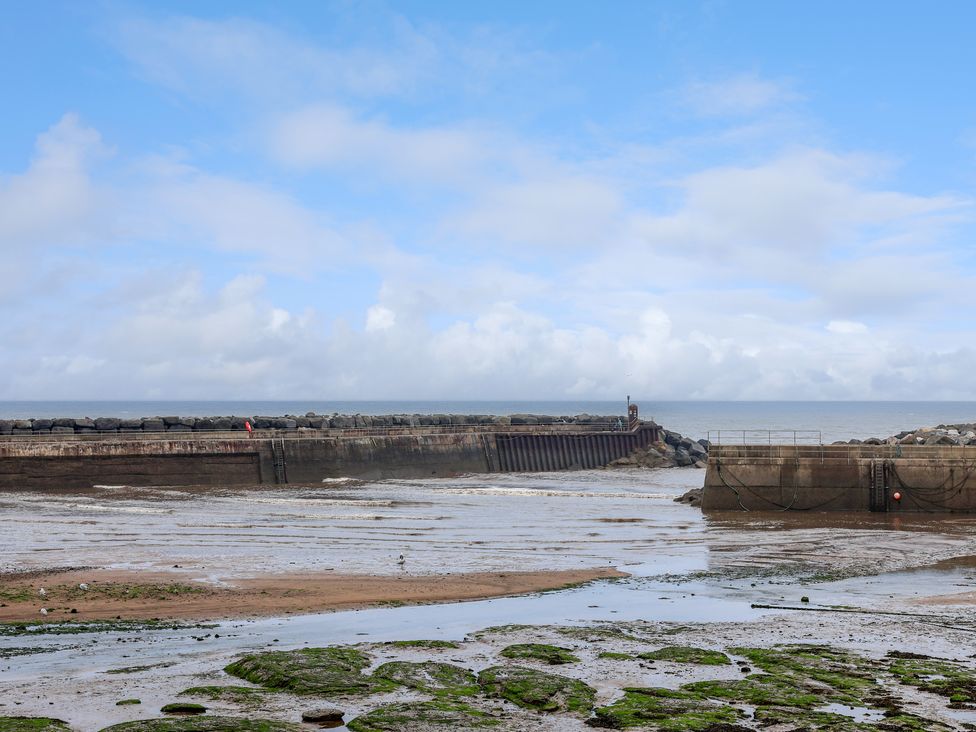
[138, 595]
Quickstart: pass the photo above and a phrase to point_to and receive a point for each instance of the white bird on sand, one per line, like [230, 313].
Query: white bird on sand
[42, 592]
[83, 586]
[43, 611]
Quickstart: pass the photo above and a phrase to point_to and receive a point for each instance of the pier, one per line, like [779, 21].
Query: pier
[67, 460]
[886, 478]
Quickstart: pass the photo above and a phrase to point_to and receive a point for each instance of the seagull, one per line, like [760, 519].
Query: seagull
[401, 561]
[42, 592]
[83, 586]
[43, 611]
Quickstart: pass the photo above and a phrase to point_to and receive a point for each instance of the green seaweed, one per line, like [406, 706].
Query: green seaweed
[945, 678]
[687, 654]
[664, 709]
[431, 676]
[423, 644]
[441, 715]
[128, 702]
[183, 708]
[32, 724]
[538, 690]
[614, 656]
[325, 671]
[233, 694]
[205, 724]
[553, 655]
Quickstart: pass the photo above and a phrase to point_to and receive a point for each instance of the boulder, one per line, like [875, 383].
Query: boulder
[42, 425]
[63, 422]
[130, 425]
[84, 424]
[223, 423]
[908, 439]
[7, 426]
[682, 458]
[204, 424]
[153, 425]
[323, 714]
[23, 424]
[107, 424]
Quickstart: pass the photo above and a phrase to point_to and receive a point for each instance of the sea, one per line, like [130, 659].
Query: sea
[812, 420]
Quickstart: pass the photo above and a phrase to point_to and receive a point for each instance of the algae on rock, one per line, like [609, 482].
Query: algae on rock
[687, 654]
[332, 670]
[553, 655]
[665, 709]
[205, 724]
[538, 690]
[431, 676]
[32, 724]
[427, 716]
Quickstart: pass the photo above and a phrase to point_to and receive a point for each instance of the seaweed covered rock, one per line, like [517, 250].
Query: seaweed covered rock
[553, 655]
[538, 690]
[431, 676]
[428, 716]
[687, 654]
[936, 676]
[233, 694]
[205, 724]
[32, 724]
[666, 709]
[325, 671]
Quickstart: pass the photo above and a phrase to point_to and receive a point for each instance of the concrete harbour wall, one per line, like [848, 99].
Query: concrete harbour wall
[63, 461]
[926, 478]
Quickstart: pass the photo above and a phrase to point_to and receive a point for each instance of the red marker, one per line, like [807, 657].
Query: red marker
[897, 496]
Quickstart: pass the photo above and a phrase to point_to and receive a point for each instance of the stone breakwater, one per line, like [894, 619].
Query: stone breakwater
[672, 451]
[945, 434]
[107, 425]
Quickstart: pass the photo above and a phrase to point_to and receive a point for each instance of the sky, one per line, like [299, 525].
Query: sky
[507, 200]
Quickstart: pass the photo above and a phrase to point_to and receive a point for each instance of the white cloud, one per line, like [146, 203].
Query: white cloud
[741, 94]
[846, 327]
[329, 136]
[379, 318]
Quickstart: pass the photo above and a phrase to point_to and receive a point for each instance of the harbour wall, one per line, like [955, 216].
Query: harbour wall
[877, 478]
[63, 461]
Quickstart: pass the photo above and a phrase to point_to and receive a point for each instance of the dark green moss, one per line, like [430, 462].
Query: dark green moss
[757, 690]
[430, 676]
[837, 675]
[127, 702]
[233, 694]
[438, 715]
[612, 656]
[687, 654]
[665, 709]
[32, 724]
[423, 644]
[183, 708]
[324, 671]
[538, 690]
[205, 724]
[553, 655]
[952, 680]
[75, 627]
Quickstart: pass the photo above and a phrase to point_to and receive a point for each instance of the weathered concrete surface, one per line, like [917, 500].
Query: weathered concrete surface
[76, 461]
[839, 478]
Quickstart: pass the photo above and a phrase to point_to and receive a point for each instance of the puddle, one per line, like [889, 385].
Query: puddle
[858, 714]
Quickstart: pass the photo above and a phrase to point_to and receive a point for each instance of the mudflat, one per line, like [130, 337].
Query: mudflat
[92, 594]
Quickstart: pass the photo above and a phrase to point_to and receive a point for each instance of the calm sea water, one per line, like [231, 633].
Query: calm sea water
[832, 420]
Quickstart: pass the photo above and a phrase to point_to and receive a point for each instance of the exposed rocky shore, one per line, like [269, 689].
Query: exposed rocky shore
[944, 434]
[673, 451]
[87, 425]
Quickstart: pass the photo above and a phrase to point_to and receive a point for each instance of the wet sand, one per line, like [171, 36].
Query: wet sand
[140, 596]
[698, 580]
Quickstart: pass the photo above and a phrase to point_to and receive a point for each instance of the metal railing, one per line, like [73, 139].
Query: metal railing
[765, 437]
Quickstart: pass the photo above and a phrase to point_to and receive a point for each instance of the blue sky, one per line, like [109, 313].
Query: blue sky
[722, 200]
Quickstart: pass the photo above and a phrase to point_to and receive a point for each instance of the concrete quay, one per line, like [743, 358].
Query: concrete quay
[882, 478]
[308, 455]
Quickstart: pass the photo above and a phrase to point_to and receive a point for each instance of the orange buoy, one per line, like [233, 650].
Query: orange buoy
[897, 496]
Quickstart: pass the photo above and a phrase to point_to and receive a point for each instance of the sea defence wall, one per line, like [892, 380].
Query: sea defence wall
[300, 455]
[846, 477]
